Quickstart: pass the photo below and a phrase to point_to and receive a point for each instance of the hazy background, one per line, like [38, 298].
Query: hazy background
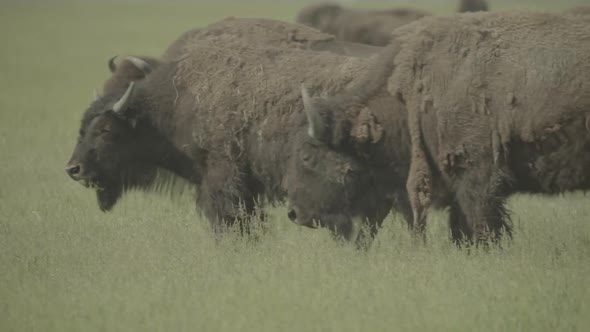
[152, 264]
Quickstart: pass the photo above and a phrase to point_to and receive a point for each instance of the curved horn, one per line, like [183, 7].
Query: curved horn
[140, 64]
[122, 103]
[96, 95]
[316, 123]
[112, 65]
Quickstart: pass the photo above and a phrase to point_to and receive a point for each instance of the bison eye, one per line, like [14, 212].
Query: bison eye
[105, 130]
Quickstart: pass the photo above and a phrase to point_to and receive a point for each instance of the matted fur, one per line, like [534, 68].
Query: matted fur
[478, 85]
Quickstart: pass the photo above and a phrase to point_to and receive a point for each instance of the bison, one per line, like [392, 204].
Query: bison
[474, 108]
[216, 111]
[466, 6]
[373, 27]
[579, 10]
[354, 25]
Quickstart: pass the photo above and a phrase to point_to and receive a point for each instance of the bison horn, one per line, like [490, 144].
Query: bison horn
[316, 125]
[96, 95]
[112, 65]
[122, 103]
[140, 64]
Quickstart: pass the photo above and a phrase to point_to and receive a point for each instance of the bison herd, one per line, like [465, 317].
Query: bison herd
[362, 113]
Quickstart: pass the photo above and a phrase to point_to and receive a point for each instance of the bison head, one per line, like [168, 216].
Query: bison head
[325, 176]
[109, 149]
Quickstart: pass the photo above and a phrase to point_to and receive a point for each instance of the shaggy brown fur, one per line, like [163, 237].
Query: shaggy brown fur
[497, 103]
[219, 115]
[354, 25]
[263, 32]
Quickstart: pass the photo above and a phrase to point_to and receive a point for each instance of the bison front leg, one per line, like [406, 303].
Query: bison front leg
[480, 213]
[228, 200]
[461, 232]
[371, 223]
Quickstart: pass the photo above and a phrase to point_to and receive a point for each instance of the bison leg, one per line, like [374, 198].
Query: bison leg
[461, 232]
[228, 198]
[401, 204]
[481, 197]
[371, 224]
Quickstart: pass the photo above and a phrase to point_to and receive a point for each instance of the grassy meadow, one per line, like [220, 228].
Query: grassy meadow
[153, 265]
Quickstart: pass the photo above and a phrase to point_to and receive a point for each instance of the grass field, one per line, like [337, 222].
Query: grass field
[152, 263]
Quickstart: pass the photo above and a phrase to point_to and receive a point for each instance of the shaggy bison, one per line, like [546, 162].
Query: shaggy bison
[373, 27]
[477, 107]
[472, 6]
[217, 112]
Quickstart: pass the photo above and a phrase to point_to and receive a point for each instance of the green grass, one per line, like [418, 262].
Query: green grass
[152, 264]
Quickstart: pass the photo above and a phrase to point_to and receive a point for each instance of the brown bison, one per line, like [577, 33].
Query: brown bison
[477, 107]
[466, 6]
[373, 27]
[355, 25]
[579, 10]
[217, 113]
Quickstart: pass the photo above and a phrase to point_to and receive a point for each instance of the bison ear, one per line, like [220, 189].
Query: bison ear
[317, 126]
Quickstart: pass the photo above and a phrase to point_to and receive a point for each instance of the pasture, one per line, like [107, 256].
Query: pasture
[152, 264]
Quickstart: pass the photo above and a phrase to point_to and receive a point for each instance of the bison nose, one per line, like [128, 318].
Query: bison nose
[292, 215]
[74, 171]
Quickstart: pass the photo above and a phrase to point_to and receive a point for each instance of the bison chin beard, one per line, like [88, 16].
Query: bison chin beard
[108, 195]
[111, 188]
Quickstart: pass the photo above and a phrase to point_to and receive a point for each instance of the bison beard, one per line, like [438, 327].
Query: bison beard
[108, 194]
